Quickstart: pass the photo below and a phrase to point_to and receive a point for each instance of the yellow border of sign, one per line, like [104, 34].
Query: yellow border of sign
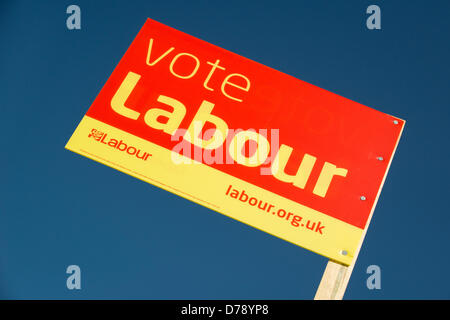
[207, 186]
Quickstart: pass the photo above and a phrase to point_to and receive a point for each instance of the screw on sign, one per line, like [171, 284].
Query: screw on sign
[326, 170]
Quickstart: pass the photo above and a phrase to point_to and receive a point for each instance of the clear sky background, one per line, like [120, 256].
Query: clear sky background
[135, 241]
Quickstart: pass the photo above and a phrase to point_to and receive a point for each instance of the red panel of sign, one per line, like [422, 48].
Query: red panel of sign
[310, 120]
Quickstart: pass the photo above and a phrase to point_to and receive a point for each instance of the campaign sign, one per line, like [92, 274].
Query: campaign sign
[255, 144]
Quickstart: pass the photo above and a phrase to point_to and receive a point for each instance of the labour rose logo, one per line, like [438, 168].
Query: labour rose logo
[97, 135]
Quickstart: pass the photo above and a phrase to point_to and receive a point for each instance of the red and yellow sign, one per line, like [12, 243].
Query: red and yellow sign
[240, 138]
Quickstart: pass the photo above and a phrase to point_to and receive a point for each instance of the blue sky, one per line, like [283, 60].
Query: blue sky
[58, 208]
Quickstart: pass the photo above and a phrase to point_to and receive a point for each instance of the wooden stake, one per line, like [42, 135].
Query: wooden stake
[334, 281]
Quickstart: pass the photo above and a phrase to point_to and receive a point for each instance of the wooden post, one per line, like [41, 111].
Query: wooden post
[334, 281]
